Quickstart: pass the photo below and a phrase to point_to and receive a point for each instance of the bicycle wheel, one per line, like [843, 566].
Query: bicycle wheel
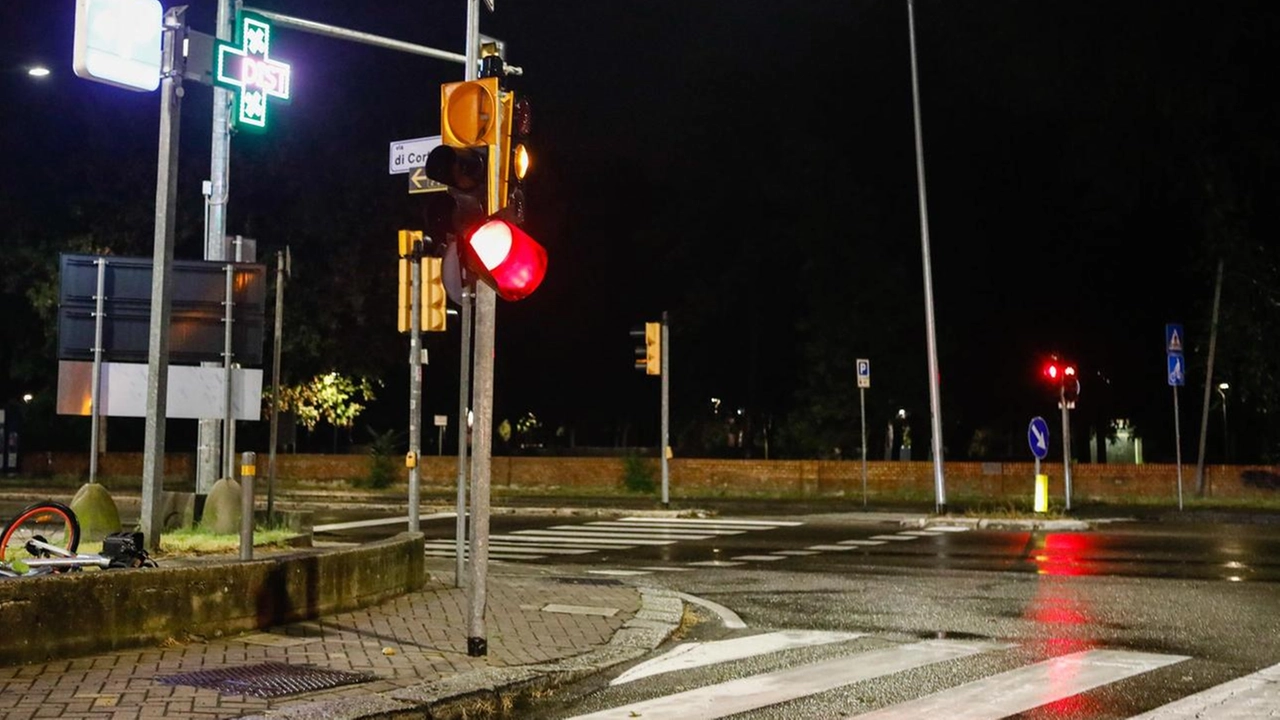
[54, 522]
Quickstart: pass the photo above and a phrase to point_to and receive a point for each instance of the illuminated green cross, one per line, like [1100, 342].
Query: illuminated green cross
[247, 68]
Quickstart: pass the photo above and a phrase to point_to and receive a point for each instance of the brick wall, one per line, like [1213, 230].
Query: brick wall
[693, 477]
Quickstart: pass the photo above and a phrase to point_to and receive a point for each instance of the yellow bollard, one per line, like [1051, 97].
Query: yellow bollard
[1042, 493]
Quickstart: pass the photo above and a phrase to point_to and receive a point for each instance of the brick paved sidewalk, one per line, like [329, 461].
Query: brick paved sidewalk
[538, 624]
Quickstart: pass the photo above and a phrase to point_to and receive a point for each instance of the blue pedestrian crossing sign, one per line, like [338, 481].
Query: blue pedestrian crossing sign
[1177, 371]
[1038, 437]
[1173, 338]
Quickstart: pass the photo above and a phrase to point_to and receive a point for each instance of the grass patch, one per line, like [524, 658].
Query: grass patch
[198, 541]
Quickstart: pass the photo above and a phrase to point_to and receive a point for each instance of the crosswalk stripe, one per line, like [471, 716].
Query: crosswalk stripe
[519, 549]
[638, 532]
[691, 655]
[831, 548]
[861, 542]
[492, 555]
[950, 528]
[593, 537]
[760, 558]
[645, 527]
[1251, 696]
[497, 540]
[378, 522]
[621, 544]
[892, 537]
[1022, 689]
[716, 523]
[741, 695]
[921, 533]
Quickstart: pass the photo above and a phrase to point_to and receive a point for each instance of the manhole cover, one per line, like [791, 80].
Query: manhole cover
[267, 680]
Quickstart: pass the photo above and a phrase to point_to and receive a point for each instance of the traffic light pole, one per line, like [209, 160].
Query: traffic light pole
[666, 411]
[1066, 444]
[415, 382]
[482, 431]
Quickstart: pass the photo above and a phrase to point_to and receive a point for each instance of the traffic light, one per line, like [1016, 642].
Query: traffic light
[1070, 384]
[432, 308]
[484, 223]
[648, 347]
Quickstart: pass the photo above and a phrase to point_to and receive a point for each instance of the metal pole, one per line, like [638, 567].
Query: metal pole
[666, 411]
[208, 440]
[151, 520]
[1066, 445]
[862, 413]
[415, 381]
[1208, 382]
[248, 469]
[95, 401]
[1226, 439]
[481, 433]
[275, 389]
[935, 403]
[228, 416]
[464, 431]
[1177, 443]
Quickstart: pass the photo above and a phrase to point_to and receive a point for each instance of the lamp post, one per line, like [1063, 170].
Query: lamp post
[1226, 452]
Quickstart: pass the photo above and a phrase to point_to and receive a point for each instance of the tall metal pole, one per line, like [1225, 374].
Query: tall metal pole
[208, 467]
[666, 411]
[275, 387]
[481, 433]
[151, 520]
[935, 404]
[862, 413]
[1066, 444]
[415, 382]
[464, 434]
[1177, 443]
[228, 410]
[1208, 383]
[95, 401]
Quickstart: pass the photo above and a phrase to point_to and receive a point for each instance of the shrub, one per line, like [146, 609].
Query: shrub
[637, 474]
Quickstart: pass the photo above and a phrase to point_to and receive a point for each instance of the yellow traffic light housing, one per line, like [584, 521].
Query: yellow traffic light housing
[469, 113]
[433, 311]
[653, 348]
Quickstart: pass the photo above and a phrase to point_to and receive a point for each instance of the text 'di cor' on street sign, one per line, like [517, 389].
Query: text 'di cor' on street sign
[1038, 437]
[864, 373]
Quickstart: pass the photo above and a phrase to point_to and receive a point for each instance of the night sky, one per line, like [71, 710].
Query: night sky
[750, 168]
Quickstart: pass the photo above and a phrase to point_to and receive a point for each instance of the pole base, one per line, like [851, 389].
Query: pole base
[477, 647]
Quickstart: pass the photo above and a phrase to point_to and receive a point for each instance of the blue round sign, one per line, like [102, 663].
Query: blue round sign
[1038, 437]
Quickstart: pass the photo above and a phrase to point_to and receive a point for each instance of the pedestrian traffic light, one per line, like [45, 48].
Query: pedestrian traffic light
[648, 347]
[488, 238]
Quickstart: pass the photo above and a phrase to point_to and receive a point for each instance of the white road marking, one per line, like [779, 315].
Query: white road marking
[623, 573]
[715, 563]
[950, 528]
[861, 542]
[518, 549]
[921, 533]
[592, 537]
[656, 527]
[749, 693]
[794, 552]
[892, 537]
[1020, 690]
[379, 522]
[761, 558]
[1245, 698]
[492, 555]
[831, 548]
[577, 542]
[659, 568]
[695, 654]
[756, 524]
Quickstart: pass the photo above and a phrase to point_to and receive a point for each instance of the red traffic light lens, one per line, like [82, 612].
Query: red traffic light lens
[1051, 371]
[504, 254]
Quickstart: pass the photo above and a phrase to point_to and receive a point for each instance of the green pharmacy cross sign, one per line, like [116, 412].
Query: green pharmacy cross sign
[246, 67]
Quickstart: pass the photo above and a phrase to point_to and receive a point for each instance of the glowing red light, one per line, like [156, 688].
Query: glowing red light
[511, 260]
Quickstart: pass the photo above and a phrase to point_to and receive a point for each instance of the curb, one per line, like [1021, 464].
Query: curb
[1013, 523]
[487, 693]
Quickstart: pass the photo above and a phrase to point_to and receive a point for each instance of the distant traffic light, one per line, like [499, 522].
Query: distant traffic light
[432, 308]
[1070, 384]
[648, 347]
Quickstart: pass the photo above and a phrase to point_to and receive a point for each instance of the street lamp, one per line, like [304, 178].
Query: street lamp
[1222, 390]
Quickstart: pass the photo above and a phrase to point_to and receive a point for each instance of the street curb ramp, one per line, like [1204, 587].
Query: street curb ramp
[488, 693]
